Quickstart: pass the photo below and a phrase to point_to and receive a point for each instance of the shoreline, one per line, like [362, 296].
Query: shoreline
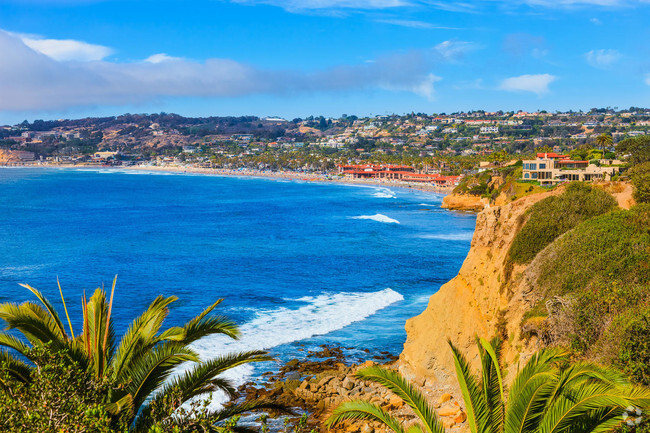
[250, 173]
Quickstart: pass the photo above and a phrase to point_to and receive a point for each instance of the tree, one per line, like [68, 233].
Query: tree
[640, 176]
[138, 368]
[549, 395]
[637, 149]
[604, 141]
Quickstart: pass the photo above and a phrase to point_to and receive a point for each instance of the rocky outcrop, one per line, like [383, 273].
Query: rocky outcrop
[477, 302]
[320, 393]
[466, 202]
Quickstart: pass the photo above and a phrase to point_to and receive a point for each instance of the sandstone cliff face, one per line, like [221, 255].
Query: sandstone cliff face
[464, 202]
[471, 304]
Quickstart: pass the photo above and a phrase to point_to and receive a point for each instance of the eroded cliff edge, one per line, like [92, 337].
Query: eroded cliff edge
[475, 303]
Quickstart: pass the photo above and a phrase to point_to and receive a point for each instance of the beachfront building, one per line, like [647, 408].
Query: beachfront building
[552, 168]
[404, 173]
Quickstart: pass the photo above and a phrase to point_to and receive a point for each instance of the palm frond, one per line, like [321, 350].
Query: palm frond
[50, 309]
[202, 377]
[475, 404]
[14, 343]
[491, 382]
[16, 369]
[140, 336]
[359, 410]
[154, 369]
[33, 321]
[396, 383]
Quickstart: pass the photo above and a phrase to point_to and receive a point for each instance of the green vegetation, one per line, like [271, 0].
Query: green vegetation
[599, 273]
[549, 395]
[123, 385]
[553, 216]
[640, 176]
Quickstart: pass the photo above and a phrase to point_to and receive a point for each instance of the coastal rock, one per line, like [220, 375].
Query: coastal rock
[464, 202]
[444, 398]
[449, 410]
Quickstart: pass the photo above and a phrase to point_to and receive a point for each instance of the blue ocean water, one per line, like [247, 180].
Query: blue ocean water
[299, 263]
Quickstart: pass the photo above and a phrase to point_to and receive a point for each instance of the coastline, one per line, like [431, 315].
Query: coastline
[283, 175]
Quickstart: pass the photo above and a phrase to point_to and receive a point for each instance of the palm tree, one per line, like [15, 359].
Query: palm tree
[549, 395]
[140, 366]
[604, 140]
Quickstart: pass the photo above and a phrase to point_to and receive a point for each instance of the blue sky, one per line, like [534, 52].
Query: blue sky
[295, 58]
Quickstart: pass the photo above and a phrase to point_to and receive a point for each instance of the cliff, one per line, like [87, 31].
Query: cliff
[474, 303]
[465, 202]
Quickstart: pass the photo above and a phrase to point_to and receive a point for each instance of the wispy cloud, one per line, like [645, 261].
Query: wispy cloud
[414, 24]
[537, 83]
[311, 5]
[31, 80]
[602, 59]
[65, 49]
[452, 51]
[647, 79]
[468, 6]
[161, 57]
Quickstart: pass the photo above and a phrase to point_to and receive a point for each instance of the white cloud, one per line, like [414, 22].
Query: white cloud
[595, 21]
[414, 24]
[300, 6]
[30, 80]
[66, 49]
[453, 50]
[307, 5]
[160, 57]
[602, 59]
[647, 79]
[528, 83]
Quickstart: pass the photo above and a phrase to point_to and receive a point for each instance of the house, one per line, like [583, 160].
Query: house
[552, 168]
[489, 130]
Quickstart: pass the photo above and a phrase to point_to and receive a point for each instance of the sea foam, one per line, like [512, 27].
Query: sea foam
[378, 217]
[270, 328]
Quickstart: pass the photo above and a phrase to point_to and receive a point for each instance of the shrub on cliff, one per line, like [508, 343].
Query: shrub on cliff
[549, 395]
[135, 372]
[553, 216]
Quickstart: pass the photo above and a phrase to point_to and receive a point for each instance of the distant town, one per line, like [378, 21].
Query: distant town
[436, 148]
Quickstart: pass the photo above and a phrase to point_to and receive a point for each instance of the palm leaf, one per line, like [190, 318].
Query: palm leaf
[50, 309]
[404, 390]
[359, 410]
[475, 404]
[16, 369]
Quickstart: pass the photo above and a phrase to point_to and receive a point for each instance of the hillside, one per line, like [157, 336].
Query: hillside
[566, 267]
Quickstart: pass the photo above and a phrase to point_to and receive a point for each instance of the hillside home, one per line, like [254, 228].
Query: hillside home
[552, 168]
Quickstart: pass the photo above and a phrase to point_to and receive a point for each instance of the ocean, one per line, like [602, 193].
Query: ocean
[299, 264]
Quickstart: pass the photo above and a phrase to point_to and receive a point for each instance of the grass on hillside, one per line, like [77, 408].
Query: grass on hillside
[553, 216]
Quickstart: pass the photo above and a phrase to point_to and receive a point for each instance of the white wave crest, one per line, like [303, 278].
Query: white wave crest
[384, 193]
[378, 217]
[270, 328]
[465, 236]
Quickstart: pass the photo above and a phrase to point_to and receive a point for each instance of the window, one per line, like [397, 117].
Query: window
[526, 175]
[533, 166]
[534, 175]
[542, 166]
[526, 166]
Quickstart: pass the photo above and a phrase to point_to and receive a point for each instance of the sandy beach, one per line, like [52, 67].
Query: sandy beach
[307, 177]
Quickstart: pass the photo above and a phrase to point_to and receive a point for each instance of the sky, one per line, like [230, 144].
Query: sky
[296, 58]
